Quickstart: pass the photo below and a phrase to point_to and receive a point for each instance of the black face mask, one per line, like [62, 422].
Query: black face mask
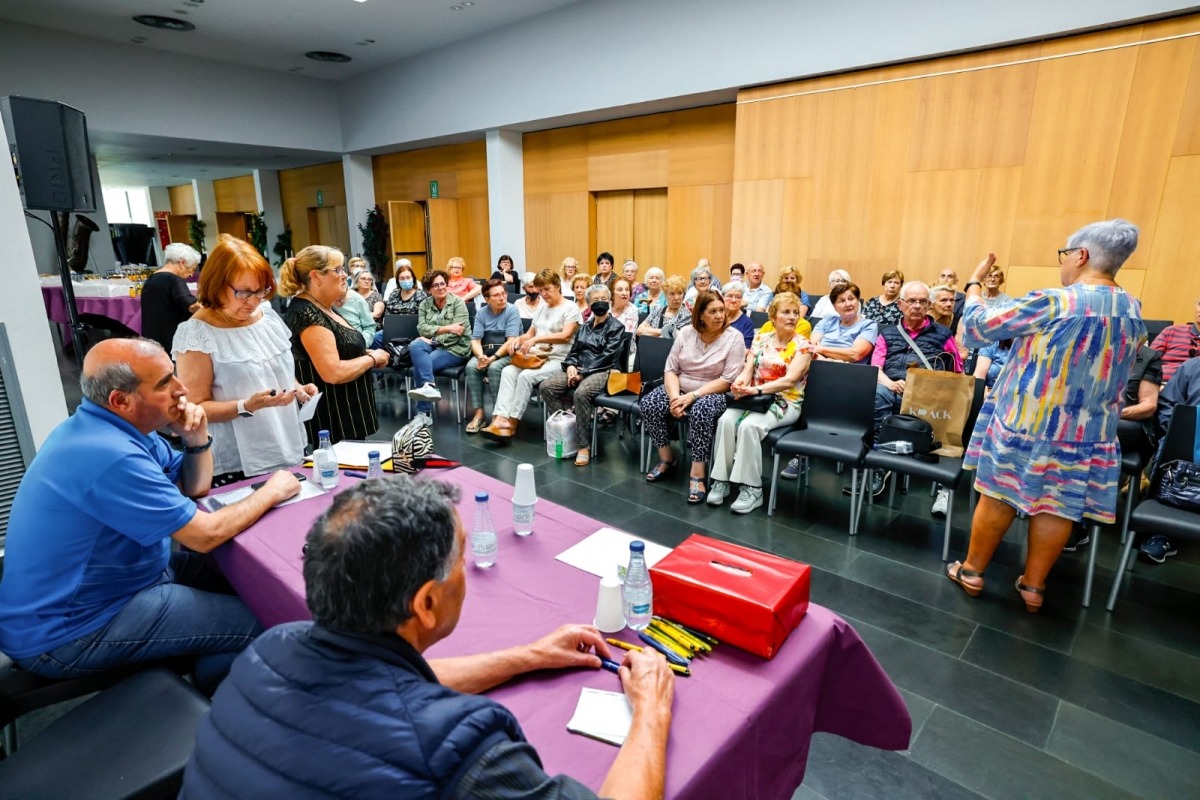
[599, 308]
[533, 295]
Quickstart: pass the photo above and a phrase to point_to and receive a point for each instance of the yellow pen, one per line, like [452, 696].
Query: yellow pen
[674, 637]
[683, 633]
[676, 668]
[670, 644]
[704, 637]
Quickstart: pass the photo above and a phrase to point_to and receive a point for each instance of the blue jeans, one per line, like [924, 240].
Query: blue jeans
[191, 611]
[426, 360]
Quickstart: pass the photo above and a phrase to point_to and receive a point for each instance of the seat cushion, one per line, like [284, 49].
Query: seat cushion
[946, 471]
[625, 403]
[829, 443]
[1151, 516]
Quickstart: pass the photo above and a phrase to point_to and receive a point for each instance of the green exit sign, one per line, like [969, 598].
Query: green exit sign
[433, 189]
[320, 198]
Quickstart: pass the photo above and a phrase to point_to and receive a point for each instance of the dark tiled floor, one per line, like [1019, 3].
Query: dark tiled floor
[1072, 703]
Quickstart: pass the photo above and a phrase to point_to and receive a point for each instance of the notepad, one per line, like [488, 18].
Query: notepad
[606, 553]
[604, 716]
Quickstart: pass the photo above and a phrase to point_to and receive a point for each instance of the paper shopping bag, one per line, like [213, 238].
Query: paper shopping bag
[943, 399]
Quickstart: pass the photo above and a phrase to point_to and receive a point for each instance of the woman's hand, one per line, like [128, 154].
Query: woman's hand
[380, 357]
[456, 328]
[306, 392]
[269, 398]
[681, 404]
[983, 268]
[740, 390]
[528, 345]
[572, 376]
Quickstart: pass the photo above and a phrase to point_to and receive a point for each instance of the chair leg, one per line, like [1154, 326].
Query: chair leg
[853, 494]
[946, 532]
[1120, 576]
[407, 396]
[1134, 488]
[774, 486]
[1091, 569]
[10, 738]
[892, 489]
[594, 429]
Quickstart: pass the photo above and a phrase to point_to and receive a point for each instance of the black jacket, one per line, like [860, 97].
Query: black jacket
[596, 346]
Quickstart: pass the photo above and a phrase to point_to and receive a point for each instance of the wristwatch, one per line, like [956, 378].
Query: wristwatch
[242, 410]
[198, 449]
[759, 389]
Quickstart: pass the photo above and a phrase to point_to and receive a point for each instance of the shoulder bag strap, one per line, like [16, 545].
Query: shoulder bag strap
[917, 350]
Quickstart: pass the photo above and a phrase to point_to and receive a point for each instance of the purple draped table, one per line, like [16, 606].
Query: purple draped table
[741, 725]
[125, 310]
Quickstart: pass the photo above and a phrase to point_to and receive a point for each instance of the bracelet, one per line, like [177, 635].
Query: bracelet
[195, 451]
[695, 396]
[969, 284]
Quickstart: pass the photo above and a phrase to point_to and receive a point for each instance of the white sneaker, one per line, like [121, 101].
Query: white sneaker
[426, 392]
[718, 493]
[941, 503]
[424, 418]
[749, 498]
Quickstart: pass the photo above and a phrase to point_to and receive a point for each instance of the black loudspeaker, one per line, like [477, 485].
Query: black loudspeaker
[49, 146]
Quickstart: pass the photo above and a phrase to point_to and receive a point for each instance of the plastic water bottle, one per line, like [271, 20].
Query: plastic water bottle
[325, 463]
[637, 593]
[483, 535]
[374, 467]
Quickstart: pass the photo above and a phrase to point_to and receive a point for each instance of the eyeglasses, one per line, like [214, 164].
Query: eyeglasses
[1063, 252]
[246, 294]
[917, 302]
[438, 285]
[334, 270]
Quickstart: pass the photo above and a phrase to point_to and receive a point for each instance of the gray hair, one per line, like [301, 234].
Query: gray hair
[629, 263]
[115, 375]
[1109, 243]
[840, 276]
[377, 545]
[941, 287]
[734, 286]
[650, 273]
[180, 253]
[912, 285]
[401, 263]
[597, 288]
[700, 271]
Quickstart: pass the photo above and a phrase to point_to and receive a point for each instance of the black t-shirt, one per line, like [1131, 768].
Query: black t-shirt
[166, 302]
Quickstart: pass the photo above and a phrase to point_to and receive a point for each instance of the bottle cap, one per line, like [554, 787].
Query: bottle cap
[481, 497]
[637, 546]
[322, 434]
[373, 454]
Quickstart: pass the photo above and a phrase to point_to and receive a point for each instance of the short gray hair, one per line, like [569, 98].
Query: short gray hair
[628, 263]
[1109, 243]
[699, 271]
[911, 285]
[180, 253]
[734, 286]
[115, 375]
[401, 263]
[597, 288]
[942, 287]
[840, 276]
[655, 271]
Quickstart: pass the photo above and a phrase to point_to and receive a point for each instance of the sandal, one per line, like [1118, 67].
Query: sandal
[582, 459]
[1022, 589]
[957, 575]
[696, 493]
[475, 425]
[665, 469]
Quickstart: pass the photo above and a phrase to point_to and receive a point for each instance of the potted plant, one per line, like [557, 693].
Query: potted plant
[376, 241]
[256, 232]
[196, 235]
[283, 245]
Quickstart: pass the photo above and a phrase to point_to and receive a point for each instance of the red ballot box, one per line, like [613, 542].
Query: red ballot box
[744, 597]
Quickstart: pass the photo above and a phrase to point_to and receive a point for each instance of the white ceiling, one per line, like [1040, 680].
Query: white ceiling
[275, 34]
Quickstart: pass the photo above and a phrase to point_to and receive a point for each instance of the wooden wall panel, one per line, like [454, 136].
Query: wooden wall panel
[616, 171]
[691, 211]
[474, 239]
[298, 193]
[236, 194]
[233, 223]
[556, 161]
[406, 224]
[1187, 135]
[795, 227]
[757, 221]
[649, 228]
[698, 146]
[1172, 279]
[614, 226]
[556, 226]
[177, 224]
[183, 199]
[443, 234]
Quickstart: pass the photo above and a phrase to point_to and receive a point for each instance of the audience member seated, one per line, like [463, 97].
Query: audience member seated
[407, 295]
[991, 360]
[652, 293]
[585, 369]
[702, 281]
[235, 357]
[704, 361]
[604, 271]
[824, 307]
[548, 337]
[733, 294]
[497, 328]
[1177, 343]
[789, 281]
[443, 340]
[579, 285]
[757, 294]
[1182, 390]
[570, 268]
[622, 306]
[991, 287]
[506, 272]
[1055, 460]
[942, 311]
[348, 706]
[884, 308]
[462, 287]
[629, 271]
[667, 319]
[737, 272]
[329, 352]
[391, 284]
[894, 354]
[776, 364]
[715, 285]
[364, 283]
[531, 300]
[948, 277]
[166, 299]
[353, 308]
[90, 582]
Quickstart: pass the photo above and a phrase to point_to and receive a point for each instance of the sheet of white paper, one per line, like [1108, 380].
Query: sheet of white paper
[308, 489]
[602, 715]
[606, 552]
[310, 408]
[354, 454]
[214, 502]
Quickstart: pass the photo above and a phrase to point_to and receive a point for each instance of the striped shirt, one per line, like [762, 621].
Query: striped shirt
[1177, 343]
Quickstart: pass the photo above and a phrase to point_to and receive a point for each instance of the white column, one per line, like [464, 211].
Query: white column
[160, 200]
[506, 195]
[206, 210]
[266, 191]
[39, 391]
[359, 175]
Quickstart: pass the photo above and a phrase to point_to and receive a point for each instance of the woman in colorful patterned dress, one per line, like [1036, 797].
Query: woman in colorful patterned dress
[776, 364]
[1046, 440]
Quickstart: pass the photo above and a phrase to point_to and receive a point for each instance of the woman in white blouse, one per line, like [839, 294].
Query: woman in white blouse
[235, 357]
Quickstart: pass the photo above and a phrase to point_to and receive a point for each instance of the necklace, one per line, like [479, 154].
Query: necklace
[233, 323]
[316, 302]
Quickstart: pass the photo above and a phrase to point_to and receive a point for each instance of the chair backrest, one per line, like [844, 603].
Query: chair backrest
[652, 356]
[399, 326]
[840, 395]
[759, 318]
[471, 311]
[1180, 441]
[1154, 327]
[976, 407]
[526, 324]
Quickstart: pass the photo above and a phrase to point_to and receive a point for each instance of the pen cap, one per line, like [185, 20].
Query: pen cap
[524, 489]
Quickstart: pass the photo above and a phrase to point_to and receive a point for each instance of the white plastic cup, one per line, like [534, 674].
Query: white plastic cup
[524, 489]
[610, 609]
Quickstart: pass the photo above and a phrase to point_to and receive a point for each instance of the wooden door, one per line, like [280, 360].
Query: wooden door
[631, 224]
[328, 225]
[443, 234]
[406, 221]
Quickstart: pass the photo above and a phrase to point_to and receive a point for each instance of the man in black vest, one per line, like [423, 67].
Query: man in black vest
[894, 354]
[348, 706]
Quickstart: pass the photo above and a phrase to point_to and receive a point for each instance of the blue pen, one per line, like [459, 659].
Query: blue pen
[671, 657]
[352, 474]
[610, 665]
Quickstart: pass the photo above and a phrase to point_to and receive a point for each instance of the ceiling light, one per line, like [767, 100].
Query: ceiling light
[456, 8]
[327, 56]
[468, 3]
[164, 23]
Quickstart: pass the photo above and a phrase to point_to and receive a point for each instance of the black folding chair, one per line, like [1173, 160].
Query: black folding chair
[1154, 327]
[759, 318]
[839, 415]
[652, 352]
[1151, 516]
[945, 471]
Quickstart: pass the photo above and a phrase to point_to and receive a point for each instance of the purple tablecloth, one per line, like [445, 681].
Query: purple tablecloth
[125, 310]
[741, 725]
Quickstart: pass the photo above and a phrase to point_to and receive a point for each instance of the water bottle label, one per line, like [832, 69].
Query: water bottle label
[522, 515]
[639, 609]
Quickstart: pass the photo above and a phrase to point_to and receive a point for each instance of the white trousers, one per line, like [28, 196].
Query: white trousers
[737, 446]
[516, 386]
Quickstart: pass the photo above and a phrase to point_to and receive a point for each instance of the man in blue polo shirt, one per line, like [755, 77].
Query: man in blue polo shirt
[90, 581]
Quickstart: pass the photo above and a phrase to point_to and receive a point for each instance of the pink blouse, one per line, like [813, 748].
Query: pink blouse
[696, 363]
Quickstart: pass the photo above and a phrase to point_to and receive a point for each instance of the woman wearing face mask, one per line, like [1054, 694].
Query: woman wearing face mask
[884, 308]
[531, 302]
[408, 295]
[506, 272]
[585, 369]
[625, 311]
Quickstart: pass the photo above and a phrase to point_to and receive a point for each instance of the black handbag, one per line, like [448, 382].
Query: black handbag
[907, 428]
[491, 342]
[1178, 485]
[398, 355]
[756, 403]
